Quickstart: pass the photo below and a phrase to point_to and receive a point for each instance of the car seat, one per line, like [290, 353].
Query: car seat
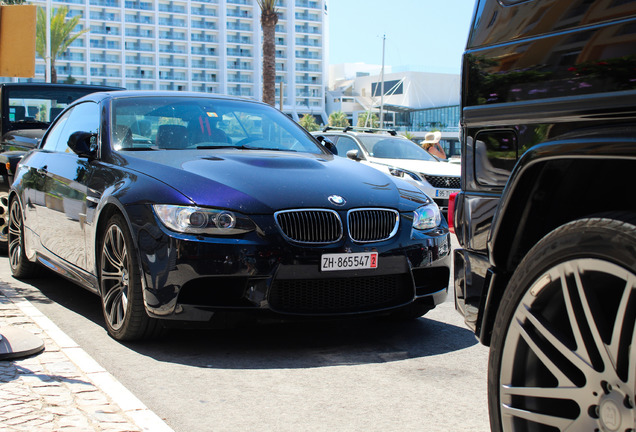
[172, 137]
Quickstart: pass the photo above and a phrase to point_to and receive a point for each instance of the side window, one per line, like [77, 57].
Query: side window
[495, 156]
[345, 144]
[83, 117]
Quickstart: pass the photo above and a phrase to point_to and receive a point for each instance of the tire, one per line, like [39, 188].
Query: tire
[120, 285]
[4, 222]
[21, 267]
[563, 350]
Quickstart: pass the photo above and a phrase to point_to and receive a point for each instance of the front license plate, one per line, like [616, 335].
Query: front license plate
[349, 261]
[441, 193]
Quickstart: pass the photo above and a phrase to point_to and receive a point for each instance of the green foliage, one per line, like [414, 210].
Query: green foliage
[368, 119]
[338, 119]
[61, 36]
[70, 80]
[409, 135]
[309, 123]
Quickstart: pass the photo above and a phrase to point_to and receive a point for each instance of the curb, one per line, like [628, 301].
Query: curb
[132, 407]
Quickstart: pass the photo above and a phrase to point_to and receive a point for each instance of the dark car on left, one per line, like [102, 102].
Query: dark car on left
[188, 207]
[26, 111]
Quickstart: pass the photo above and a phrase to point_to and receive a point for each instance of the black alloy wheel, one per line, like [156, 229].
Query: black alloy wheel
[120, 285]
[563, 351]
[21, 267]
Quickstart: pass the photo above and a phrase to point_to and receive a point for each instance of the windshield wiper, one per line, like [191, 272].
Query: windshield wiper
[209, 147]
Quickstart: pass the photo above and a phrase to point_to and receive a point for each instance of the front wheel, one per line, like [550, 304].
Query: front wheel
[120, 285]
[563, 351]
[21, 267]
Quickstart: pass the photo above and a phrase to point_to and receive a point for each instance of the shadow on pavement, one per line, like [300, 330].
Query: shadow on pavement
[304, 344]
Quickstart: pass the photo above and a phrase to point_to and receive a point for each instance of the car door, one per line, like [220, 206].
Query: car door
[62, 218]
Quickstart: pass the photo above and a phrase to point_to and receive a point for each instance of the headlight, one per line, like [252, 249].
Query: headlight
[397, 172]
[427, 217]
[196, 220]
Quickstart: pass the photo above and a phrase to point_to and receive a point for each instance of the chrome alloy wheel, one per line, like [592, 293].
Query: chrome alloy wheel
[115, 276]
[569, 354]
[14, 236]
[4, 217]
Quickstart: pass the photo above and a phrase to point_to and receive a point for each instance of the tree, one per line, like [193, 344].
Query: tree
[269, 18]
[338, 119]
[309, 123]
[368, 119]
[61, 36]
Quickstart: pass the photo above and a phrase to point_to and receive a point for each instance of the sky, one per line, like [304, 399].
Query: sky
[421, 35]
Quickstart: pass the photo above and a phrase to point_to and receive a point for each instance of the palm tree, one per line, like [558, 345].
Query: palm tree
[61, 36]
[308, 121]
[338, 119]
[269, 18]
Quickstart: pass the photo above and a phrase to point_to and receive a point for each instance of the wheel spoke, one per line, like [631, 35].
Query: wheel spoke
[509, 413]
[518, 326]
[573, 357]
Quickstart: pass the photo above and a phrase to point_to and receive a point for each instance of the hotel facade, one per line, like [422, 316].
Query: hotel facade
[211, 46]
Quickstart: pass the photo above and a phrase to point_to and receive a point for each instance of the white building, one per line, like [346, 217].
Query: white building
[405, 93]
[212, 46]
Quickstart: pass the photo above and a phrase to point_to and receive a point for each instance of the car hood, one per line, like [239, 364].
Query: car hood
[23, 137]
[419, 166]
[253, 181]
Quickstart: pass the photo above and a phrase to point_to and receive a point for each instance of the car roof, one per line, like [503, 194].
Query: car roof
[357, 131]
[120, 94]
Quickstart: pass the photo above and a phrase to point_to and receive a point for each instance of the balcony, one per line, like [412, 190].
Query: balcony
[140, 33]
[239, 52]
[307, 29]
[172, 22]
[140, 74]
[171, 49]
[240, 78]
[105, 30]
[137, 5]
[173, 62]
[107, 3]
[308, 55]
[308, 42]
[172, 35]
[203, 11]
[203, 38]
[139, 60]
[307, 4]
[239, 39]
[240, 2]
[307, 16]
[139, 19]
[202, 64]
[206, 25]
[172, 8]
[105, 58]
[239, 26]
[239, 65]
[102, 16]
[239, 13]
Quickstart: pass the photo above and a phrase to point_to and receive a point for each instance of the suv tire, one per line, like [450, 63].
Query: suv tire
[563, 351]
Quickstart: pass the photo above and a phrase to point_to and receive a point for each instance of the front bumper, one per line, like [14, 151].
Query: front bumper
[191, 278]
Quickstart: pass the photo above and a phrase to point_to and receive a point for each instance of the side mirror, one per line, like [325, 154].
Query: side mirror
[354, 155]
[84, 144]
[327, 144]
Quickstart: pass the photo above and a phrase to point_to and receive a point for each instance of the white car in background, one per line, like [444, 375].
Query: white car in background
[393, 154]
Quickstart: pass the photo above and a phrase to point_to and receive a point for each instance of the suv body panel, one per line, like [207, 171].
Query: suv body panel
[548, 134]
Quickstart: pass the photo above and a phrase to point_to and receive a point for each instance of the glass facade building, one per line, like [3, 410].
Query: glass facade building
[212, 46]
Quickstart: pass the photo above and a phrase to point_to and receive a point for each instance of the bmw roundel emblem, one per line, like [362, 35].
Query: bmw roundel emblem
[337, 200]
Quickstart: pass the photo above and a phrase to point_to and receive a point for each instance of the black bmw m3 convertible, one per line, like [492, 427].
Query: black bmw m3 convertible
[178, 206]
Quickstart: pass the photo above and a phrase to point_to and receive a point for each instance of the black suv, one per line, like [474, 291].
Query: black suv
[546, 219]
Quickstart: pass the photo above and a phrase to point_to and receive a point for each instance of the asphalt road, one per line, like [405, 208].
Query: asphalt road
[426, 375]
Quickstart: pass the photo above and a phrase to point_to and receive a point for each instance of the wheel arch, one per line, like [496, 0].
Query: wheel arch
[541, 196]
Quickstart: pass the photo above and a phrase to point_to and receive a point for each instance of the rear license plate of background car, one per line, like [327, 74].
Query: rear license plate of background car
[442, 193]
[349, 261]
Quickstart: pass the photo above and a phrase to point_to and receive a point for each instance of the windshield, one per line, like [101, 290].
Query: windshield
[187, 122]
[383, 147]
[39, 106]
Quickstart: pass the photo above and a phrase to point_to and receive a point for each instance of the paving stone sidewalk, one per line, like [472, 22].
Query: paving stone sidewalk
[62, 388]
